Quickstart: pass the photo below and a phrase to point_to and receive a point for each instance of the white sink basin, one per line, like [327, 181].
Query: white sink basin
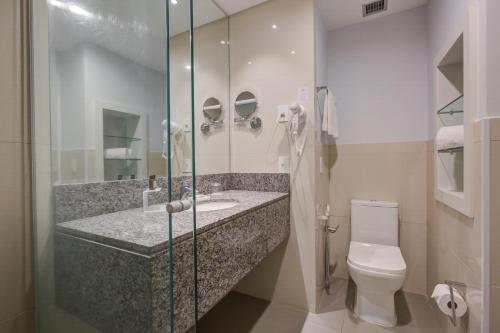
[203, 206]
[213, 205]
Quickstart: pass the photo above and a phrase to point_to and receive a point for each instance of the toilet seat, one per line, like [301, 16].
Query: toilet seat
[376, 258]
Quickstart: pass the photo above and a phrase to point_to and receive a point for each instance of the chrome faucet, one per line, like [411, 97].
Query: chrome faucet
[186, 190]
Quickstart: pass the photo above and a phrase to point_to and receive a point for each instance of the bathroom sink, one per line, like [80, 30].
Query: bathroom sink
[202, 206]
[213, 205]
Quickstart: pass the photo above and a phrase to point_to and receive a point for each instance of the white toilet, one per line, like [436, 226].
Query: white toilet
[375, 261]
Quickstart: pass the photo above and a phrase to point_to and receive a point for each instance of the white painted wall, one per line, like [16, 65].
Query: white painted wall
[492, 58]
[377, 72]
[89, 74]
[114, 79]
[321, 48]
[69, 68]
[445, 18]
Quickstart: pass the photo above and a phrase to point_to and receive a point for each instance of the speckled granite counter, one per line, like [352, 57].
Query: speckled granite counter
[148, 233]
[111, 270]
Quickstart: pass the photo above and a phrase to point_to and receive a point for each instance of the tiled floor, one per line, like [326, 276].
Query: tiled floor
[239, 313]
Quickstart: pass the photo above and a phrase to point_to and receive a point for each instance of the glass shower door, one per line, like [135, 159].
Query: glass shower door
[181, 206]
[198, 120]
[118, 102]
[100, 145]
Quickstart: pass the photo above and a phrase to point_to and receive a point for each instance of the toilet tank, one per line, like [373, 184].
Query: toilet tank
[374, 222]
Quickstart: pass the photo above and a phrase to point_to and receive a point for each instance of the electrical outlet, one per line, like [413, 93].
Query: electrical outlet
[283, 115]
[284, 164]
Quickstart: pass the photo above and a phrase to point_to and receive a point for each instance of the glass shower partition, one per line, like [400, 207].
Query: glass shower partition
[198, 116]
[113, 141]
[181, 172]
[120, 97]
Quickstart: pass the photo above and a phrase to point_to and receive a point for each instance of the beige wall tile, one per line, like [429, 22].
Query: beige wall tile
[494, 129]
[339, 246]
[384, 171]
[274, 77]
[454, 251]
[13, 118]
[23, 323]
[387, 147]
[476, 131]
[495, 210]
[279, 277]
[473, 296]
[15, 244]
[16, 285]
[382, 175]
[413, 243]
[495, 309]
[157, 165]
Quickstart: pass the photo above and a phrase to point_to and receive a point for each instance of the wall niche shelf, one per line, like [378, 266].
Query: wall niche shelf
[121, 134]
[111, 137]
[451, 150]
[455, 70]
[456, 106]
[123, 159]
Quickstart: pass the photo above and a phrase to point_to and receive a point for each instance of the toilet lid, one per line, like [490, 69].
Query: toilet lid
[375, 257]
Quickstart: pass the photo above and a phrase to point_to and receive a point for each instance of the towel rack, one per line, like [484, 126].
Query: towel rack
[451, 150]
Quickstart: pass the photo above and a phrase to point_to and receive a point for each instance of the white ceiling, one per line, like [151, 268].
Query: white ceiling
[233, 6]
[340, 13]
[136, 29]
[131, 28]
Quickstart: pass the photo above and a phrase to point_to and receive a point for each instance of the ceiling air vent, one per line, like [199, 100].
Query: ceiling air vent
[374, 7]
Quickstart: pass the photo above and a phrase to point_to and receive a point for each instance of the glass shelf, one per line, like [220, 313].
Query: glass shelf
[456, 106]
[123, 159]
[122, 137]
[451, 150]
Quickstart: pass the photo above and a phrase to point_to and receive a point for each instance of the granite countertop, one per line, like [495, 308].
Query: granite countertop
[148, 233]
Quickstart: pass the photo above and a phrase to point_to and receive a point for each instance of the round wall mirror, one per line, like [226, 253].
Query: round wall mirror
[212, 110]
[245, 104]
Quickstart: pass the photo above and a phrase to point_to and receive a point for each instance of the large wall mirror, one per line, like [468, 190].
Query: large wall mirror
[108, 89]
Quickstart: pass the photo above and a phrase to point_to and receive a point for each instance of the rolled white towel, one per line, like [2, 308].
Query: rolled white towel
[450, 137]
[118, 153]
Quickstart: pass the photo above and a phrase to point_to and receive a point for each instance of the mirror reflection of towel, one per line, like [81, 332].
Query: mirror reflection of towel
[329, 124]
[118, 153]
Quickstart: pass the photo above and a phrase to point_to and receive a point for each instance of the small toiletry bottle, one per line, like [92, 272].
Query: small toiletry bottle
[152, 182]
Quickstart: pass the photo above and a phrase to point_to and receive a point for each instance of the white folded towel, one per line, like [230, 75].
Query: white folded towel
[450, 137]
[118, 153]
[330, 124]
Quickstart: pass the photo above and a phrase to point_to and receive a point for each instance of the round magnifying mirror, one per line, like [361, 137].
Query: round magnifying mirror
[212, 110]
[245, 104]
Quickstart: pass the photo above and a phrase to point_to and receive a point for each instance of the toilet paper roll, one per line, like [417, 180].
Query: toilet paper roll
[442, 296]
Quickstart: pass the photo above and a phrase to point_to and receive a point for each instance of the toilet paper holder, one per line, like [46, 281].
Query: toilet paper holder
[460, 286]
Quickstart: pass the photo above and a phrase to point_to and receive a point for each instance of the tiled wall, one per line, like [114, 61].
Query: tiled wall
[494, 224]
[382, 171]
[262, 61]
[454, 246]
[16, 282]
